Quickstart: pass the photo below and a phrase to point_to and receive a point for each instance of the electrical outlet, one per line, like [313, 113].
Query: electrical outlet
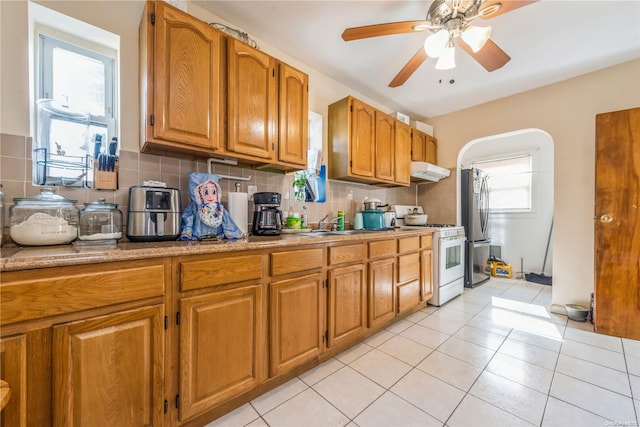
[251, 189]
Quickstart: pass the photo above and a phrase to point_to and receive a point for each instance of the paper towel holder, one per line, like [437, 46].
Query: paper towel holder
[210, 163]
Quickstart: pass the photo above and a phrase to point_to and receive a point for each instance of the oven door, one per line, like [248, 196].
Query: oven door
[451, 259]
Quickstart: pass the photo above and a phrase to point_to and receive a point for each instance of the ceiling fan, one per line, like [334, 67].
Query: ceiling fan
[450, 22]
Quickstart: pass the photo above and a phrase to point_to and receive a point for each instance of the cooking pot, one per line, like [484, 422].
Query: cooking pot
[415, 219]
[370, 204]
[373, 219]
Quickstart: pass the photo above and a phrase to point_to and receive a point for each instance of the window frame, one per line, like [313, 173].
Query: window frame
[481, 164]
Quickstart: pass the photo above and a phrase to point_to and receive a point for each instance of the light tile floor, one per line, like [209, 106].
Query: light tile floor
[494, 356]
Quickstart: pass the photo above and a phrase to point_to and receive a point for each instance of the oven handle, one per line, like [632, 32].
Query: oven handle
[453, 239]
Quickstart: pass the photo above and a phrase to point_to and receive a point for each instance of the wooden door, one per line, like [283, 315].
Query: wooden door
[617, 224]
[418, 145]
[109, 370]
[426, 275]
[385, 147]
[251, 102]
[362, 140]
[221, 347]
[347, 318]
[297, 323]
[382, 284]
[431, 150]
[13, 370]
[293, 116]
[403, 153]
[186, 87]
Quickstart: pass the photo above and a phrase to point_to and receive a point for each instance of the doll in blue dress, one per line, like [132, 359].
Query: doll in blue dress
[205, 216]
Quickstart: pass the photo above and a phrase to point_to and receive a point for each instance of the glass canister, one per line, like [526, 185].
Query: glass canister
[45, 219]
[100, 221]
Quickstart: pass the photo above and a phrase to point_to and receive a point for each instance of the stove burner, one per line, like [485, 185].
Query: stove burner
[440, 225]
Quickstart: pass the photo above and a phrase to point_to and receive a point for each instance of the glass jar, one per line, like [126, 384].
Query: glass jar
[100, 221]
[45, 219]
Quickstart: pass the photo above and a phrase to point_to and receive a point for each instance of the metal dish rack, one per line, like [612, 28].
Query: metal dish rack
[77, 171]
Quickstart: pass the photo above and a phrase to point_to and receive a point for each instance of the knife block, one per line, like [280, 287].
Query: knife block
[105, 180]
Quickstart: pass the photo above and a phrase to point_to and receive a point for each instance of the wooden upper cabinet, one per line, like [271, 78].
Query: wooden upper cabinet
[431, 150]
[418, 145]
[109, 370]
[251, 102]
[423, 147]
[180, 81]
[403, 153]
[293, 118]
[385, 147]
[362, 145]
[362, 139]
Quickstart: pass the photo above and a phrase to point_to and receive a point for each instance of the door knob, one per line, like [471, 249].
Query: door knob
[606, 219]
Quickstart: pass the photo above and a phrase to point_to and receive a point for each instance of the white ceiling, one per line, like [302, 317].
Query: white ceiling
[548, 41]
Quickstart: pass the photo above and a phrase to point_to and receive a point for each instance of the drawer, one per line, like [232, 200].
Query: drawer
[426, 242]
[294, 261]
[408, 244]
[220, 271]
[408, 296]
[382, 248]
[36, 294]
[347, 253]
[408, 267]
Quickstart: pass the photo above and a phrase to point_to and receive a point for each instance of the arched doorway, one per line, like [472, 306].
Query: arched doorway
[522, 236]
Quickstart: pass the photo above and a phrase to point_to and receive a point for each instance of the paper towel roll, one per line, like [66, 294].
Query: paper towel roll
[238, 206]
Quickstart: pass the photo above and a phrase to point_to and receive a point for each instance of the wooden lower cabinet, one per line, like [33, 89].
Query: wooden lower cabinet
[426, 273]
[221, 347]
[109, 370]
[347, 306]
[296, 321]
[13, 370]
[382, 291]
[408, 281]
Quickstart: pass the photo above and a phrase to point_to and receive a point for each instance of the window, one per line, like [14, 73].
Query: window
[509, 183]
[75, 107]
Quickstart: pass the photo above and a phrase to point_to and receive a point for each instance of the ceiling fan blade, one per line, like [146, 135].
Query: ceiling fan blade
[387, 29]
[409, 68]
[491, 56]
[492, 8]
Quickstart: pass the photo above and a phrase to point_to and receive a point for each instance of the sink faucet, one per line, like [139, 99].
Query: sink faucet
[321, 223]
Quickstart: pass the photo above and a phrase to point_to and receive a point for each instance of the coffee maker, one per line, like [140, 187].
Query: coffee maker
[267, 218]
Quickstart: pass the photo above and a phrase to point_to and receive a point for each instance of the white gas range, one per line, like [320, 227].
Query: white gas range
[448, 255]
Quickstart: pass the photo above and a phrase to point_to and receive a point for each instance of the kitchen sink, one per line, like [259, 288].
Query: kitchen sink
[318, 233]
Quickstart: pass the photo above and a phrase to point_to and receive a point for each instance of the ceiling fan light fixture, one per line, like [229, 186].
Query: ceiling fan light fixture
[447, 60]
[476, 37]
[436, 43]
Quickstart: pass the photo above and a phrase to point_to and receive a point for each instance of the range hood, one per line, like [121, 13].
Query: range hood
[427, 171]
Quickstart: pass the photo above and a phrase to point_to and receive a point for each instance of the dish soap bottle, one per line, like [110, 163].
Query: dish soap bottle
[340, 222]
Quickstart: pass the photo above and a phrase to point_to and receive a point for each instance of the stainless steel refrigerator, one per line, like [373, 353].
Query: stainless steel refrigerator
[475, 219]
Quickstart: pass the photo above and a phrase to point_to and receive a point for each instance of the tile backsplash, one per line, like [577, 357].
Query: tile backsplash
[16, 179]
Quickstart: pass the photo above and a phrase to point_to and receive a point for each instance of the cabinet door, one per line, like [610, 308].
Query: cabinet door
[251, 101]
[385, 147]
[426, 273]
[408, 267]
[382, 291]
[362, 142]
[297, 323]
[431, 150]
[418, 145]
[109, 370]
[13, 370]
[221, 347]
[403, 153]
[293, 117]
[347, 317]
[186, 80]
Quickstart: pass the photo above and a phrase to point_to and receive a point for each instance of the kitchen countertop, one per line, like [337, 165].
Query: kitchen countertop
[14, 258]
